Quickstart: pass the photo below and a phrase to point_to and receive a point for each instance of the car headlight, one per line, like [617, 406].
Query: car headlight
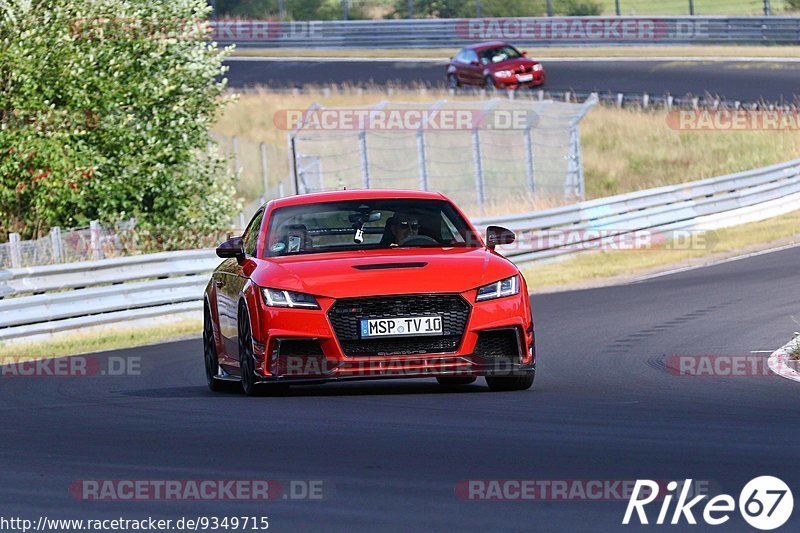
[538, 68]
[503, 74]
[280, 298]
[499, 289]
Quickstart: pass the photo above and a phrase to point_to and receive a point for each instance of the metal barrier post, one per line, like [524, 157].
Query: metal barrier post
[57, 245]
[16, 255]
[97, 248]
[529, 168]
[480, 191]
[423, 160]
[264, 170]
[362, 152]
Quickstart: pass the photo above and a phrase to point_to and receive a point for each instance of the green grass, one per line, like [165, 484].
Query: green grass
[595, 268]
[102, 340]
[701, 7]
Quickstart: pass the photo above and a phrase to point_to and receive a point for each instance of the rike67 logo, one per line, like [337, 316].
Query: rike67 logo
[765, 503]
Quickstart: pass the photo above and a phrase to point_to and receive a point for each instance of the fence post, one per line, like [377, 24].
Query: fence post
[57, 245]
[16, 253]
[480, 192]
[236, 167]
[691, 7]
[529, 168]
[264, 174]
[293, 165]
[670, 101]
[616, 6]
[620, 99]
[423, 160]
[574, 182]
[645, 101]
[97, 248]
[362, 152]
[280, 189]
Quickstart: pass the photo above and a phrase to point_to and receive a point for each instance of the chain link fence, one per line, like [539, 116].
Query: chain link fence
[495, 156]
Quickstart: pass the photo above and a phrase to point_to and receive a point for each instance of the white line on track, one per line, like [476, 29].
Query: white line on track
[661, 59]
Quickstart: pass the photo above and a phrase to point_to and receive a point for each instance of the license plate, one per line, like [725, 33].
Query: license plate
[401, 326]
[525, 77]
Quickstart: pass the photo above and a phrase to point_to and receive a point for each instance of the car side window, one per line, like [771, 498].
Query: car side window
[472, 56]
[250, 236]
[461, 56]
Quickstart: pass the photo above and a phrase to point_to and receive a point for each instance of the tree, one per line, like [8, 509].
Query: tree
[106, 106]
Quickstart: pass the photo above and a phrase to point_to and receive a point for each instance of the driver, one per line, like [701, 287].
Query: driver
[403, 227]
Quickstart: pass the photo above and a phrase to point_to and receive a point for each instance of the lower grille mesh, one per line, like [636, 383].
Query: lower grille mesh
[346, 314]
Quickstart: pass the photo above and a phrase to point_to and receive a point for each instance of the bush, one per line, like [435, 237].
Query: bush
[793, 5]
[468, 8]
[106, 109]
[579, 8]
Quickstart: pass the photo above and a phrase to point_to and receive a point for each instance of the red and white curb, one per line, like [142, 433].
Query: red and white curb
[780, 359]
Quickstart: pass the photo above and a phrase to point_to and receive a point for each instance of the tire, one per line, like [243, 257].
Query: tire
[449, 381]
[488, 83]
[510, 383]
[247, 366]
[210, 353]
[452, 81]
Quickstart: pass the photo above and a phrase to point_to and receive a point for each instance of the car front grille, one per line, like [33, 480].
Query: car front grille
[345, 316]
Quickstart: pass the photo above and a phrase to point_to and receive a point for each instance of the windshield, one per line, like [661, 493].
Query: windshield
[366, 225]
[499, 54]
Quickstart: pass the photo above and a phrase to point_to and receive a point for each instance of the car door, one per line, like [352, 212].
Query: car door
[473, 70]
[460, 63]
[229, 285]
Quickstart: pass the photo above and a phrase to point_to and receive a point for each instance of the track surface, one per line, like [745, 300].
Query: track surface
[747, 82]
[603, 407]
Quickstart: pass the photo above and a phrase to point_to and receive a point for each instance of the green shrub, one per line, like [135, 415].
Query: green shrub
[106, 108]
[579, 8]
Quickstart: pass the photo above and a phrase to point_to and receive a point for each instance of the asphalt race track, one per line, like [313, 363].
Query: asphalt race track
[604, 407]
[744, 81]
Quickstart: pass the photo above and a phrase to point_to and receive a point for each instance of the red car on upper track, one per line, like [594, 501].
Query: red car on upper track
[366, 284]
[493, 64]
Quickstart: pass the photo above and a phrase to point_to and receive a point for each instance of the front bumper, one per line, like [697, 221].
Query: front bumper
[514, 83]
[300, 345]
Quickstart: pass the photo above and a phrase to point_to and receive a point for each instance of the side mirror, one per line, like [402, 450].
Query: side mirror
[233, 247]
[475, 63]
[524, 52]
[497, 236]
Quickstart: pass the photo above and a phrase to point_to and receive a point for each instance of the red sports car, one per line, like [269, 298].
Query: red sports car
[494, 64]
[363, 285]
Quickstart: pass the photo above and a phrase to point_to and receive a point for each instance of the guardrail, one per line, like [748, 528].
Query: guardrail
[52, 298]
[532, 32]
[47, 299]
[701, 205]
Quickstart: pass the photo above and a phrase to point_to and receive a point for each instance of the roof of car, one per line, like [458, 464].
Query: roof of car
[486, 45]
[355, 194]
